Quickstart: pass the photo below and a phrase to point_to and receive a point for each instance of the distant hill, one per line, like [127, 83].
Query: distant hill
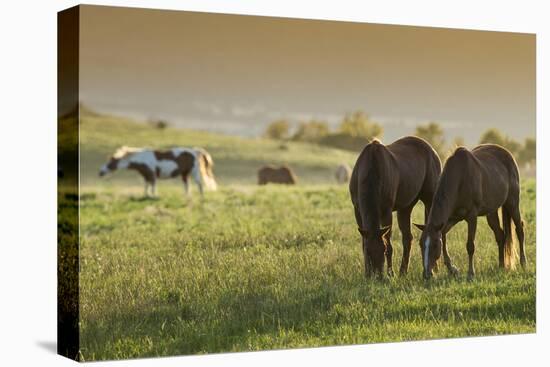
[236, 159]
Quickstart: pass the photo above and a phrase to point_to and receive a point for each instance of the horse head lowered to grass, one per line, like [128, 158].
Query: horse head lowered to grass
[387, 179]
[474, 183]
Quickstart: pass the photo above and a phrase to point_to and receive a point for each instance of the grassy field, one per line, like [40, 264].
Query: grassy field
[250, 268]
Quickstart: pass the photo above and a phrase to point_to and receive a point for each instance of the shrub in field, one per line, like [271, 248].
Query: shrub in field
[345, 141]
[279, 130]
[311, 131]
[433, 134]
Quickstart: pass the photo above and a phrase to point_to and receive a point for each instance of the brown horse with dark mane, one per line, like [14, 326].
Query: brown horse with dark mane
[279, 175]
[387, 179]
[474, 183]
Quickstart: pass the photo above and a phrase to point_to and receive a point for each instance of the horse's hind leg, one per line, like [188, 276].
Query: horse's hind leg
[146, 189]
[198, 179]
[404, 221]
[494, 223]
[516, 217]
[149, 187]
[185, 180]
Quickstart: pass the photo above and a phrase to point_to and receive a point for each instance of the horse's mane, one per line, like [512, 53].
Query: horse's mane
[126, 151]
[371, 188]
[447, 186]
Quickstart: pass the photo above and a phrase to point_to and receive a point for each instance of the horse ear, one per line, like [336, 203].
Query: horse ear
[385, 230]
[420, 226]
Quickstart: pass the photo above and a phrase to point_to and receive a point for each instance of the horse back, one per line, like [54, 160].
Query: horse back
[419, 168]
[406, 168]
[499, 173]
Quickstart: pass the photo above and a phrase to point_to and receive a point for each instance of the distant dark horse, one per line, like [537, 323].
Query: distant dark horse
[386, 179]
[279, 175]
[473, 184]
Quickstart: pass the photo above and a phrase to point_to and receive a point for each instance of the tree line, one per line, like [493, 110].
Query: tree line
[357, 129]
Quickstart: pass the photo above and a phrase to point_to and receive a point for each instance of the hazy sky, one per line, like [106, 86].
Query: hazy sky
[237, 73]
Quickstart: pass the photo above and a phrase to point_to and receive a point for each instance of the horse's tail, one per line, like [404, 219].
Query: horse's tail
[205, 168]
[509, 248]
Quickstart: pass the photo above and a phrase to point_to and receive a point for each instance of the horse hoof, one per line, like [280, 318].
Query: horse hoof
[390, 273]
[470, 277]
[523, 263]
[453, 271]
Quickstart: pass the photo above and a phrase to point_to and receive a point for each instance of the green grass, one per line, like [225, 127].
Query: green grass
[250, 268]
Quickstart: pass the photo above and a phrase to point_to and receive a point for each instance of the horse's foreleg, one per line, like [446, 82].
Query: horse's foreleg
[366, 258]
[387, 221]
[446, 258]
[470, 245]
[404, 222]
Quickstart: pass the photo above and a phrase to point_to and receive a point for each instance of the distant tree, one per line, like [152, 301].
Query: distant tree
[528, 153]
[278, 130]
[358, 124]
[433, 134]
[494, 136]
[458, 142]
[311, 131]
[513, 146]
[160, 124]
[344, 141]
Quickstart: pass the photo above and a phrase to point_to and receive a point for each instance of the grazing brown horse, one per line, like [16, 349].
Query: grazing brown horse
[387, 179]
[474, 183]
[280, 175]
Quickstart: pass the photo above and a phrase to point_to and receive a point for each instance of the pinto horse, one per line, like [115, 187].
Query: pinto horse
[162, 164]
[387, 179]
[474, 183]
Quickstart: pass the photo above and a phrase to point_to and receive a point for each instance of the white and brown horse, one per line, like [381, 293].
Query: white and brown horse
[163, 164]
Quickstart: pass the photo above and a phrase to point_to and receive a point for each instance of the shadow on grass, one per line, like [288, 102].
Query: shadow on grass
[140, 199]
[179, 329]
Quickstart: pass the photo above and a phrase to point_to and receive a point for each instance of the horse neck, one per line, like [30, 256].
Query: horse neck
[445, 196]
[373, 208]
[370, 192]
[124, 163]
